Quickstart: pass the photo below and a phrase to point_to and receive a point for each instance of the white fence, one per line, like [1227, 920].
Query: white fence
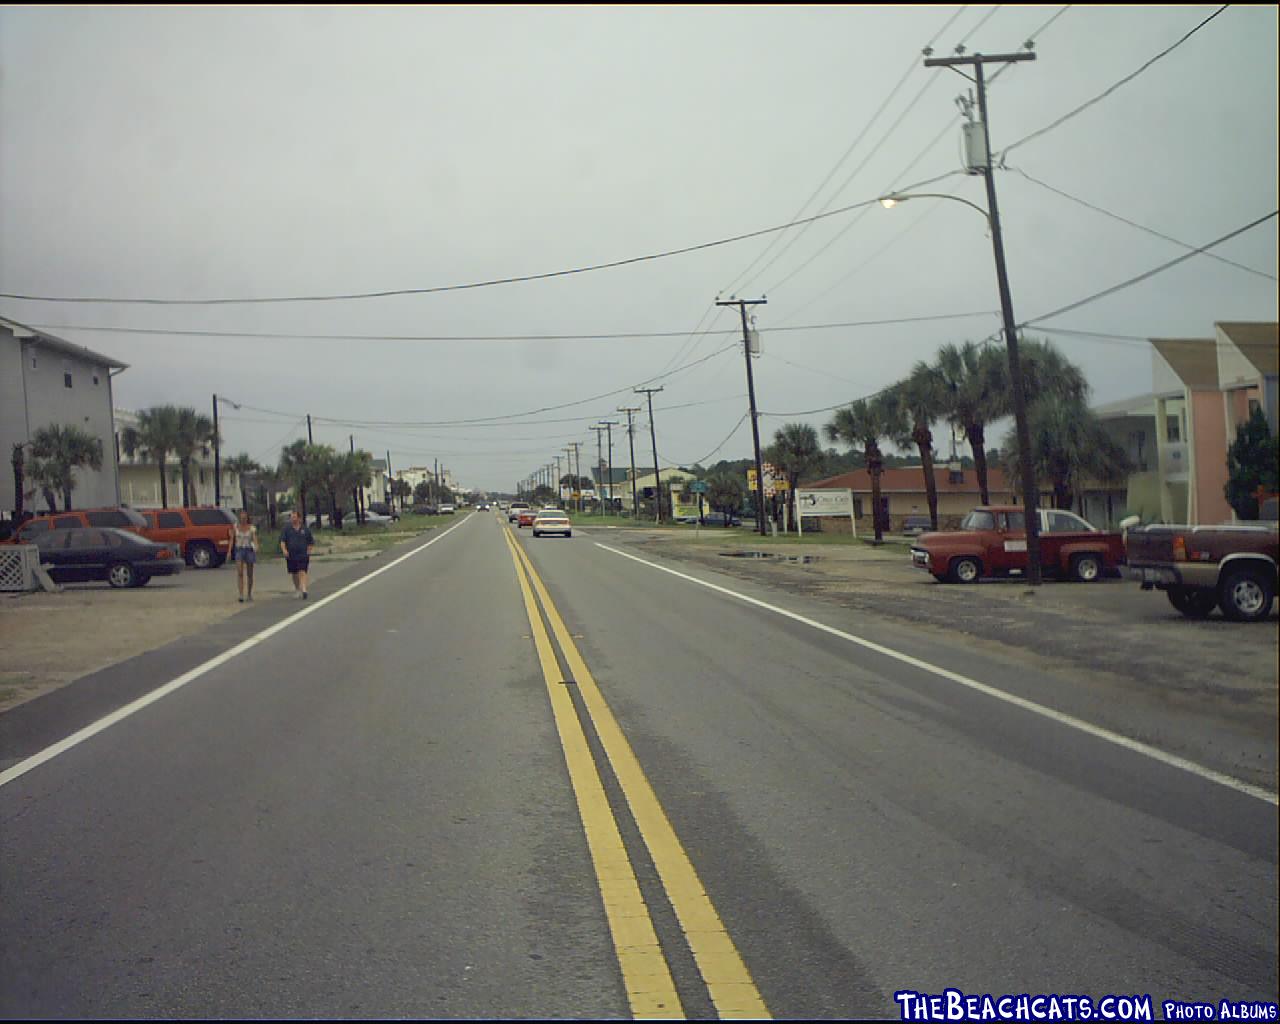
[18, 565]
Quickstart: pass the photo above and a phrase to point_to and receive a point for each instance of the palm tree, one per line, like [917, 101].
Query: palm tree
[242, 465]
[976, 384]
[1046, 372]
[155, 436]
[18, 458]
[922, 400]
[297, 465]
[863, 424]
[1068, 445]
[63, 450]
[796, 451]
[43, 478]
[195, 432]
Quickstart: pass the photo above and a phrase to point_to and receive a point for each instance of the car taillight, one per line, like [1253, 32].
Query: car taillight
[1179, 548]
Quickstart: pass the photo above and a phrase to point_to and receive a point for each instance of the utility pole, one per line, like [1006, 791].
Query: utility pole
[599, 428]
[310, 439]
[742, 305]
[608, 426]
[559, 478]
[391, 485]
[631, 440]
[217, 458]
[1030, 487]
[576, 449]
[653, 437]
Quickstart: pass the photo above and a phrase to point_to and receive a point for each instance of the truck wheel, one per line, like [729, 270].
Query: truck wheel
[965, 570]
[202, 555]
[1245, 595]
[1086, 568]
[1194, 603]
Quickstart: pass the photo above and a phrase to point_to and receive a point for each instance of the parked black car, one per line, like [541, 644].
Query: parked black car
[121, 558]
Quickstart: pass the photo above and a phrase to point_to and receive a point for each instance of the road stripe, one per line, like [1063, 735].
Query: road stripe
[1071, 722]
[645, 973]
[729, 983]
[120, 714]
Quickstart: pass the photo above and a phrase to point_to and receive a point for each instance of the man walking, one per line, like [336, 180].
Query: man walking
[296, 543]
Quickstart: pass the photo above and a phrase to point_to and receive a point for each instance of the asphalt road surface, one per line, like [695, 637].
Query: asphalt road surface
[491, 776]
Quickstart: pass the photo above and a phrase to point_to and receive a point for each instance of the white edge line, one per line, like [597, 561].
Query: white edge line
[120, 714]
[1057, 716]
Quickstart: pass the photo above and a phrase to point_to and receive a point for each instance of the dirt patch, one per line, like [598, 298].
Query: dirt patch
[1110, 632]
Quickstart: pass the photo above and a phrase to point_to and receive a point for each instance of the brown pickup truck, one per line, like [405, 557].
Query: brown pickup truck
[1202, 567]
[992, 541]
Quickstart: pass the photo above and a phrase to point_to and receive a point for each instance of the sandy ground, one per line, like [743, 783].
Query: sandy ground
[48, 640]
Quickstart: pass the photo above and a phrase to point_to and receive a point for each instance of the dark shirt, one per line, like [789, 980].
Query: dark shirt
[296, 542]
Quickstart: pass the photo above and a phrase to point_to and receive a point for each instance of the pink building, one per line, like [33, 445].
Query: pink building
[1178, 436]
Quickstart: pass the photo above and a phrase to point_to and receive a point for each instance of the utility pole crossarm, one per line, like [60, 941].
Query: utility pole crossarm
[978, 58]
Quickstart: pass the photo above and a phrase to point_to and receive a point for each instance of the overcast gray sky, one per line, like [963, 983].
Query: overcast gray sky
[193, 153]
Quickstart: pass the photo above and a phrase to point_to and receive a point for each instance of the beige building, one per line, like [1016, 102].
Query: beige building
[140, 476]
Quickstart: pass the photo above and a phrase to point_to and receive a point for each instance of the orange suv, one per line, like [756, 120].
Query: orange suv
[202, 534]
[117, 517]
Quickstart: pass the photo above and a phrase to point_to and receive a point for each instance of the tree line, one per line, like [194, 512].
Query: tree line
[967, 386]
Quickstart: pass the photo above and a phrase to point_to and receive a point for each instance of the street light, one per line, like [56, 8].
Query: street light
[1029, 485]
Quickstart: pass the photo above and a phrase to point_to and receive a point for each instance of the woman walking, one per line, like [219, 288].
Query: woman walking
[244, 549]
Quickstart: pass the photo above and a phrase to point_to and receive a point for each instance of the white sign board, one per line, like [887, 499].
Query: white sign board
[824, 503]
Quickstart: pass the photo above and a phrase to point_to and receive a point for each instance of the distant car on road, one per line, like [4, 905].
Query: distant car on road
[514, 510]
[525, 517]
[119, 557]
[551, 520]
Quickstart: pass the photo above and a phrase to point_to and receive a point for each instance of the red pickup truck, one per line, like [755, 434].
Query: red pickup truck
[992, 541]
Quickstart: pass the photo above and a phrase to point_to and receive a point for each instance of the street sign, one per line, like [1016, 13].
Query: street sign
[698, 487]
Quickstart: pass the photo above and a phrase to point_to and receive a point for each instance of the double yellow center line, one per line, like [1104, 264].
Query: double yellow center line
[645, 971]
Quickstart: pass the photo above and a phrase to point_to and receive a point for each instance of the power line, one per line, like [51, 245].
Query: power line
[928, 84]
[261, 335]
[743, 278]
[442, 288]
[1151, 273]
[1107, 92]
[968, 35]
[1135, 224]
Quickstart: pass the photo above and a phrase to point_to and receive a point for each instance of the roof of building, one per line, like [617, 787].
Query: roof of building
[910, 480]
[1258, 342]
[57, 344]
[1194, 360]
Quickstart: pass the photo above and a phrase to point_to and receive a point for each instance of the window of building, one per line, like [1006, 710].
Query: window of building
[66, 378]
[1174, 428]
[1254, 406]
[95, 380]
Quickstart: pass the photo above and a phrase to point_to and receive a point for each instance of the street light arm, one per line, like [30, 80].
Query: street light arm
[891, 200]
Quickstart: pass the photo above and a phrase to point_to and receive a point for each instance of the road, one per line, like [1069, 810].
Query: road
[499, 777]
